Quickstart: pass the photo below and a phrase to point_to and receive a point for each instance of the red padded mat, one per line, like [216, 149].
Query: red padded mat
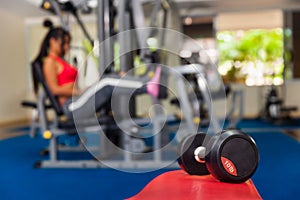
[179, 185]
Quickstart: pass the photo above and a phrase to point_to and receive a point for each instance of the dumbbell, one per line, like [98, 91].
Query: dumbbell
[230, 156]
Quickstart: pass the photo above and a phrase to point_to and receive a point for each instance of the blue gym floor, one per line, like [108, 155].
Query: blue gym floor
[277, 176]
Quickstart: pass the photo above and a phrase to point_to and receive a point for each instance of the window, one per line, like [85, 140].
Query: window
[253, 57]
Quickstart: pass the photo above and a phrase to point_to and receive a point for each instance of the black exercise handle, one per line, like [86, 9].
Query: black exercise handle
[69, 6]
[83, 27]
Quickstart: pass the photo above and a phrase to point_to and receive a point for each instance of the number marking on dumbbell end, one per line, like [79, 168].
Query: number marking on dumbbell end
[229, 166]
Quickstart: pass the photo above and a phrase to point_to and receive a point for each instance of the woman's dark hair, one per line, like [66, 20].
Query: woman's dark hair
[54, 32]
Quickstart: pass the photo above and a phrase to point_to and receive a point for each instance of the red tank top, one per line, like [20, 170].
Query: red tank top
[68, 73]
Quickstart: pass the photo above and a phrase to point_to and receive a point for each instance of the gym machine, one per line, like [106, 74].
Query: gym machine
[54, 130]
[275, 111]
[132, 35]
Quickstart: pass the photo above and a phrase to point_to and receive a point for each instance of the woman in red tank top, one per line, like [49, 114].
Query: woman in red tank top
[68, 74]
[61, 77]
[59, 74]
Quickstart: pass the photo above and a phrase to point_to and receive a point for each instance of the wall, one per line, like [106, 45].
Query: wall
[249, 20]
[13, 81]
[15, 67]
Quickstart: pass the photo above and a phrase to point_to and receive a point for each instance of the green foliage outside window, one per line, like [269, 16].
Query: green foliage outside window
[254, 57]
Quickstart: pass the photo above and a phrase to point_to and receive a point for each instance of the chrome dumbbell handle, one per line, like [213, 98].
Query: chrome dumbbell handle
[199, 154]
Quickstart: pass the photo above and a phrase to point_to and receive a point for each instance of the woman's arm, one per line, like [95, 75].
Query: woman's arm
[50, 70]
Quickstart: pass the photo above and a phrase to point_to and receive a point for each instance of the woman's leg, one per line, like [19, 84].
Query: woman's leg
[87, 104]
[100, 93]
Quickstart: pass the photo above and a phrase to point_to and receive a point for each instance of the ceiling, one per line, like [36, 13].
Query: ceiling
[204, 7]
[26, 8]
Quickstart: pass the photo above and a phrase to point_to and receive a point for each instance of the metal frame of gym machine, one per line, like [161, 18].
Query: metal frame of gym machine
[129, 160]
[106, 54]
[51, 127]
[137, 14]
[128, 10]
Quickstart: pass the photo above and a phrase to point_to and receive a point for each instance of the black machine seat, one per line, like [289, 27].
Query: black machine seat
[37, 67]
[69, 124]
[30, 104]
[288, 108]
[33, 104]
